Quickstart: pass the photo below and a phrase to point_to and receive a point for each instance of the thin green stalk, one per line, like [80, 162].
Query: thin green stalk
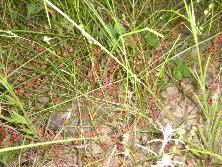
[43, 144]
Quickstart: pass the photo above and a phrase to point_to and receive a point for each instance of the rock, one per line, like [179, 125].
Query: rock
[58, 119]
[44, 101]
[187, 86]
[55, 123]
[95, 149]
[171, 95]
[173, 91]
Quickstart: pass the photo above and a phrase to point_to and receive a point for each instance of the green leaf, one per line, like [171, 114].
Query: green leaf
[11, 101]
[114, 30]
[30, 131]
[18, 119]
[180, 63]
[14, 101]
[15, 118]
[177, 74]
[186, 72]
[119, 28]
[110, 29]
[202, 134]
[181, 70]
[7, 157]
[34, 8]
[152, 40]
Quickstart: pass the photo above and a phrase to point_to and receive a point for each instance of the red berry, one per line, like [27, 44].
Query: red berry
[34, 118]
[174, 33]
[210, 101]
[154, 112]
[152, 101]
[39, 49]
[113, 136]
[105, 146]
[71, 50]
[29, 83]
[219, 38]
[100, 93]
[189, 162]
[20, 91]
[105, 81]
[119, 146]
[15, 137]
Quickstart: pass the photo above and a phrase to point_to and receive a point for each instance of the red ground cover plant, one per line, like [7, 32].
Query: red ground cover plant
[12, 135]
[105, 146]
[16, 137]
[154, 112]
[219, 38]
[39, 49]
[2, 134]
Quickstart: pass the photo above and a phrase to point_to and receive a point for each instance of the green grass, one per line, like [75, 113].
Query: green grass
[109, 64]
